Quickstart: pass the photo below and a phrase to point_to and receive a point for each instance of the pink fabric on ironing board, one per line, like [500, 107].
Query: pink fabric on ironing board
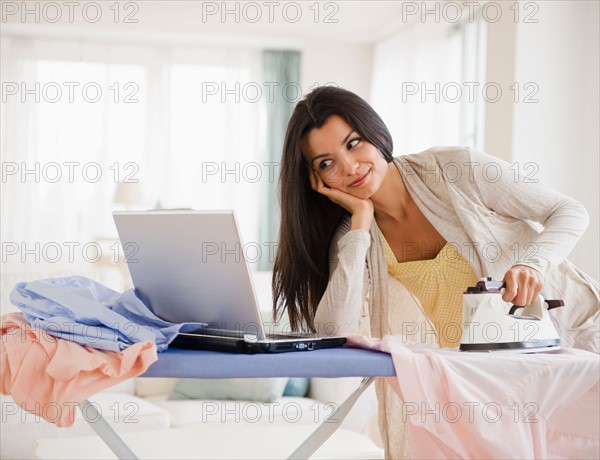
[49, 376]
[491, 405]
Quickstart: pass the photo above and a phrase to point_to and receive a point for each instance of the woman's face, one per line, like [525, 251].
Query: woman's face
[344, 159]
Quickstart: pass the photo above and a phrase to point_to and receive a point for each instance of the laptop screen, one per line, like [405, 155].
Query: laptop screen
[190, 266]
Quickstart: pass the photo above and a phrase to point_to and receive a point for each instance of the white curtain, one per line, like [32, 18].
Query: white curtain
[418, 85]
[176, 119]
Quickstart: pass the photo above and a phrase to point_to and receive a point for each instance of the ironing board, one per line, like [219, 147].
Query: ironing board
[333, 362]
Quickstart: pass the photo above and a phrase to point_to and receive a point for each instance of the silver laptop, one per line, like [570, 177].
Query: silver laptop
[190, 266]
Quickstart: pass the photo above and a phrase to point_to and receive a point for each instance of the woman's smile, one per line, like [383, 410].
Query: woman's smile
[361, 180]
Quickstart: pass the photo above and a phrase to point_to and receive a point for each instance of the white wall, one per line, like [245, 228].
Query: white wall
[500, 69]
[560, 133]
[347, 65]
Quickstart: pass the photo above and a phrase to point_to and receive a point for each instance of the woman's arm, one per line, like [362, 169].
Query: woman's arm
[505, 191]
[509, 193]
[340, 308]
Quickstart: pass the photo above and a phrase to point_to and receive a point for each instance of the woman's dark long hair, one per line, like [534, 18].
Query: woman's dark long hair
[309, 219]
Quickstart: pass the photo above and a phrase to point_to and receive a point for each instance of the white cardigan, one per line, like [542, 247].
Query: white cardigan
[488, 212]
[478, 204]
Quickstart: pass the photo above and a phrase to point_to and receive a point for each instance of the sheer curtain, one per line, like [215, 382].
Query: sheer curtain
[80, 116]
[418, 85]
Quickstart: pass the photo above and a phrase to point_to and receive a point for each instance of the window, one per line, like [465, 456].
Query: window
[422, 77]
[77, 118]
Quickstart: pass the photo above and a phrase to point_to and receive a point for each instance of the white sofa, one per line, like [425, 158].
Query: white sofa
[140, 407]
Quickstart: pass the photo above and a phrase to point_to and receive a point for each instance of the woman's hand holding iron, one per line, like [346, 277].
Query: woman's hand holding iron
[522, 285]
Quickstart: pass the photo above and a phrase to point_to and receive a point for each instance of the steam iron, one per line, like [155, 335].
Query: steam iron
[491, 324]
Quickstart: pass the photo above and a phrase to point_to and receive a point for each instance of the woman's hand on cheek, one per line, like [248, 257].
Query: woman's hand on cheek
[522, 285]
[362, 210]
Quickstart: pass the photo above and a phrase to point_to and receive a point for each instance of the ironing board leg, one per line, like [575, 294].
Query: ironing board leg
[104, 430]
[328, 427]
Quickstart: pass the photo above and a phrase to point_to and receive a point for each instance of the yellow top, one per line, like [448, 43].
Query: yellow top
[438, 284]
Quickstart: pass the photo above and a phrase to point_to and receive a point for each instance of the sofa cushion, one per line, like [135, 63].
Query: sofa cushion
[127, 387]
[210, 441]
[253, 389]
[296, 386]
[20, 429]
[154, 386]
[286, 410]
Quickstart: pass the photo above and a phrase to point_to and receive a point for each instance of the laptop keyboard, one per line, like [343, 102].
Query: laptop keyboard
[290, 335]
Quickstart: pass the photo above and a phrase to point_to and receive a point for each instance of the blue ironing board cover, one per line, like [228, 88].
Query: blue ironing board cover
[332, 362]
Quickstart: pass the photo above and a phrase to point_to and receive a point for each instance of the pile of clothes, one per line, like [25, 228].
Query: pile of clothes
[73, 338]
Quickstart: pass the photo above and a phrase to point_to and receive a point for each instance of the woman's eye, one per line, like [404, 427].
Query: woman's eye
[325, 164]
[353, 143]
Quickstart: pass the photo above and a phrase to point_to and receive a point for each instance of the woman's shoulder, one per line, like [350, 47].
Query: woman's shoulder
[457, 164]
[440, 155]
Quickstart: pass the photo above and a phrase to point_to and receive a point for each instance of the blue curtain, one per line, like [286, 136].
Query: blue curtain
[281, 69]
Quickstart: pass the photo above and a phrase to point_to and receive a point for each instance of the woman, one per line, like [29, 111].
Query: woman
[373, 242]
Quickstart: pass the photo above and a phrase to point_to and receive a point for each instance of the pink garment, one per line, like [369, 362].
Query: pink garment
[50, 376]
[491, 405]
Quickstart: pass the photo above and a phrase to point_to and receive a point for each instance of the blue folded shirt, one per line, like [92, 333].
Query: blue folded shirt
[79, 309]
